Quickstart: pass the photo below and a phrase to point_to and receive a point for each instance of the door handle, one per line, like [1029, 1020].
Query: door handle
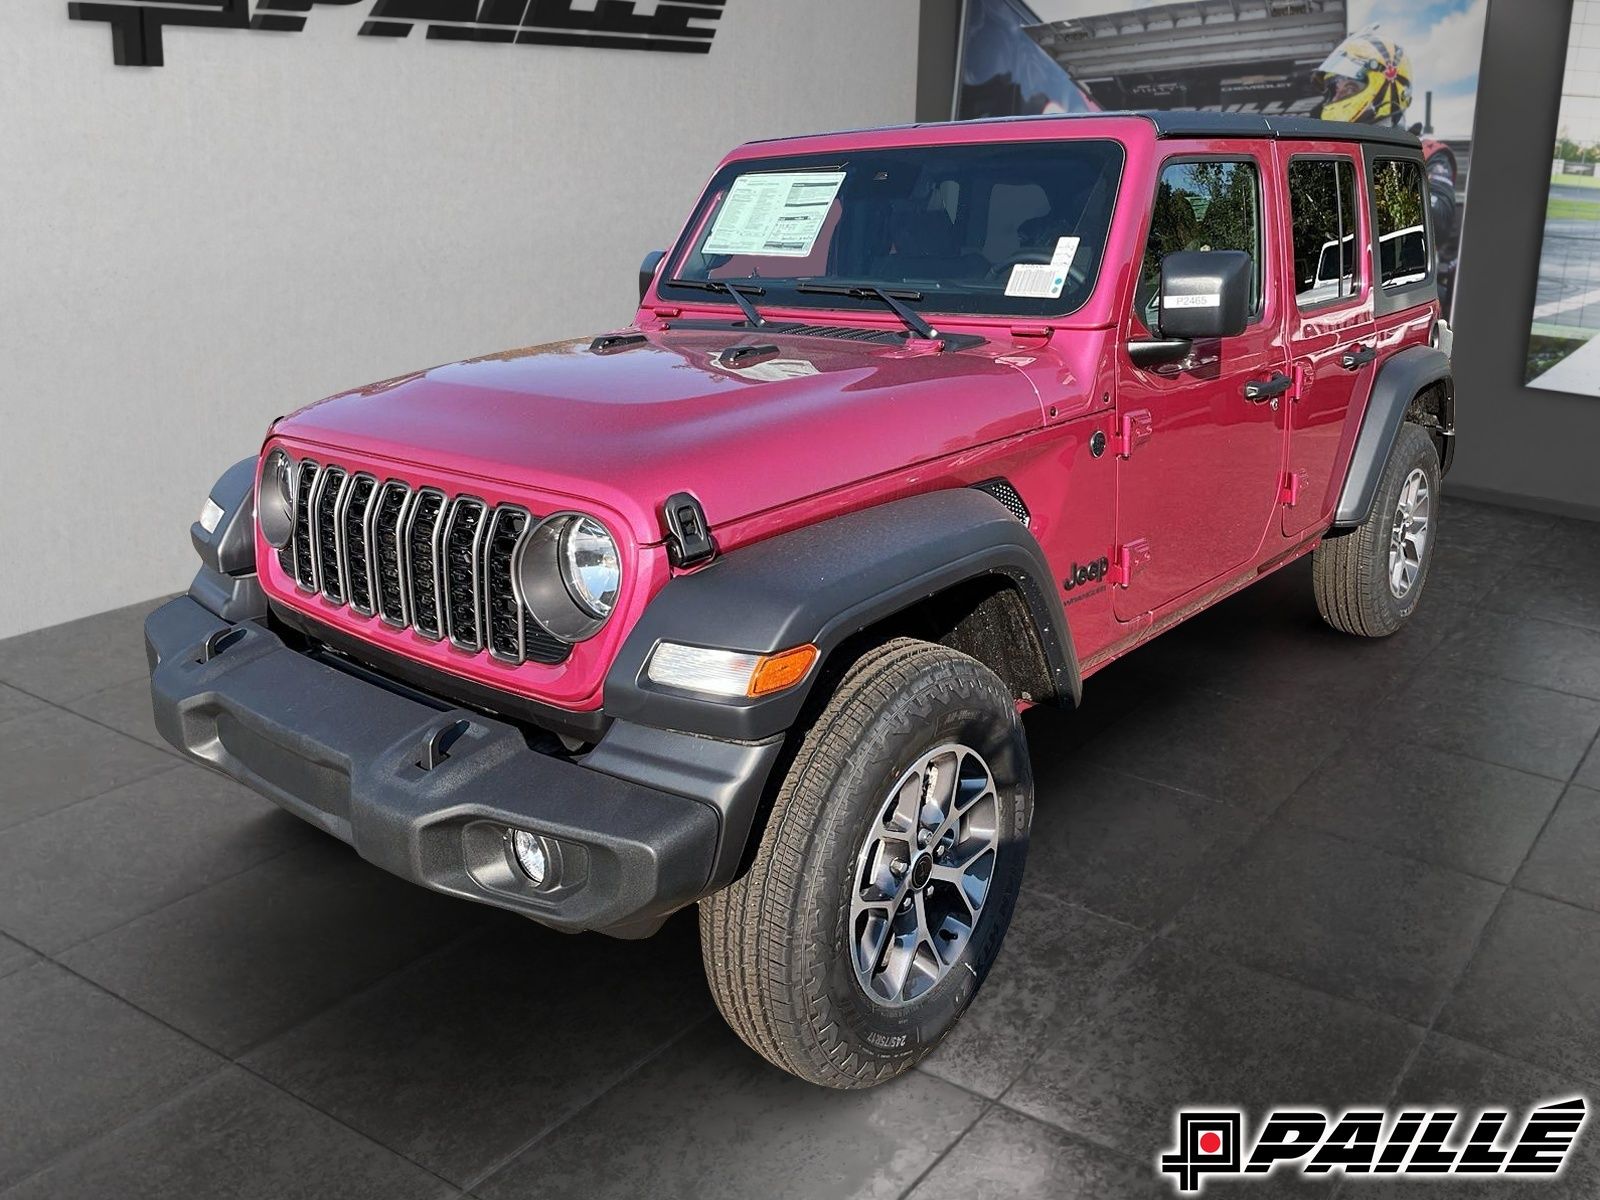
[1258, 391]
[1358, 356]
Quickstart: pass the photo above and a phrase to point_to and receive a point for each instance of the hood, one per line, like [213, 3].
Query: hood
[663, 414]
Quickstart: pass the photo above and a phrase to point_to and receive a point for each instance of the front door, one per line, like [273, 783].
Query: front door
[1331, 327]
[1198, 489]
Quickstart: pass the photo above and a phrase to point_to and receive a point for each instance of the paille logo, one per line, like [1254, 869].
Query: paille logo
[662, 25]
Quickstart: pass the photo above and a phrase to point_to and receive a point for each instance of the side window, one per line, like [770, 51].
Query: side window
[1402, 202]
[1202, 206]
[1322, 204]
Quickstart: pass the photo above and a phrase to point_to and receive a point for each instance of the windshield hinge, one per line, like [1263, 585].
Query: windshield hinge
[1037, 332]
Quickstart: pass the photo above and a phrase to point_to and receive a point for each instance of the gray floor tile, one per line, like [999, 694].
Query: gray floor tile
[13, 957]
[1555, 593]
[74, 874]
[1346, 918]
[1533, 989]
[1442, 808]
[66, 661]
[15, 704]
[53, 759]
[1511, 534]
[76, 1062]
[1565, 863]
[737, 1127]
[1589, 774]
[1565, 658]
[253, 955]
[1054, 960]
[1008, 1156]
[125, 707]
[238, 1137]
[1130, 850]
[460, 1061]
[1569, 542]
[1461, 575]
[1452, 1074]
[1483, 717]
[1186, 1029]
[1218, 747]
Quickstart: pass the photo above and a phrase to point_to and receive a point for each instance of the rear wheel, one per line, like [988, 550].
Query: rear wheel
[1369, 581]
[886, 875]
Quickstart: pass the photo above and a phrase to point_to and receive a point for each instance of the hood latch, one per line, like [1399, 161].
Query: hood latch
[689, 541]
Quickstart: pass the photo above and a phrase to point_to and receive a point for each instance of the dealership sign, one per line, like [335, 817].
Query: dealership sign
[662, 25]
[1215, 1143]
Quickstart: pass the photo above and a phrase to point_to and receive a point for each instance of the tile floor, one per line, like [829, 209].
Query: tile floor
[1270, 865]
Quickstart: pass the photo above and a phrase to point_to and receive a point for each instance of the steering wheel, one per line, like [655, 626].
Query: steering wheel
[1002, 270]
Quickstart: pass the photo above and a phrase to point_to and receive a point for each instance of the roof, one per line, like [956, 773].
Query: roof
[1183, 124]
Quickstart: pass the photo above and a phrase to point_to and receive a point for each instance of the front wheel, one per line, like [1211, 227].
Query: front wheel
[887, 873]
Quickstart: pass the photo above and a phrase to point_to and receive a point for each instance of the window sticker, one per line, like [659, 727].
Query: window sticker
[1044, 281]
[778, 214]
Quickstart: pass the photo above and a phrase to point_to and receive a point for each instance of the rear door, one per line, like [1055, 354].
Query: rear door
[1331, 328]
[1199, 463]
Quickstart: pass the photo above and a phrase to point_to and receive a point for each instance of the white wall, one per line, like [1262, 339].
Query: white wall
[188, 251]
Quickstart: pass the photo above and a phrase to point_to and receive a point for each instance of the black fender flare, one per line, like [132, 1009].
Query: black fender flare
[1400, 379]
[824, 583]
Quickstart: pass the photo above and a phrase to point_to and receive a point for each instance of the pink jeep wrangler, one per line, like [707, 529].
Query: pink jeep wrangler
[738, 606]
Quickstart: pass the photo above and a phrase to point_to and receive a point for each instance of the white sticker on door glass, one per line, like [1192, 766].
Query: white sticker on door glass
[778, 214]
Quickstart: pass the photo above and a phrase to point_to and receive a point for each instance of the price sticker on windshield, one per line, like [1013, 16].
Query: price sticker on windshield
[777, 214]
[1044, 281]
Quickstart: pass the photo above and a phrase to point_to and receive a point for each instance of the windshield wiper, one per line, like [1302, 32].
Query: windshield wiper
[867, 291]
[739, 292]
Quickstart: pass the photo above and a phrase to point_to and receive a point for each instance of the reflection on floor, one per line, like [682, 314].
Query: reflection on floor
[1271, 865]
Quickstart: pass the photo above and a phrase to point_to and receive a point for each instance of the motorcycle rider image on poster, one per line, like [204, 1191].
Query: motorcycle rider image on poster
[1373, 62]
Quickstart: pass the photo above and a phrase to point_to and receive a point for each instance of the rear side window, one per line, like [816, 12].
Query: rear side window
[1402, 203]
[1202, 206]
[1322, 199]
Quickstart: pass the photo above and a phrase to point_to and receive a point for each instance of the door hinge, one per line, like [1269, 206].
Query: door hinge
[1125, 560]
[1291, 486]
[1133, 431]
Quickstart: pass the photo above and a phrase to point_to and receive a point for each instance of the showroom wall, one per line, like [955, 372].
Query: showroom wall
[1516, 444]
[192, 249]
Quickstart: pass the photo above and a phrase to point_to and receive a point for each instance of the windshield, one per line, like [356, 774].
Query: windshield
[1014, 229]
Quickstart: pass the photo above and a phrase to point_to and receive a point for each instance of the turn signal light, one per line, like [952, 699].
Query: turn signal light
[729, 674]
[778, 672]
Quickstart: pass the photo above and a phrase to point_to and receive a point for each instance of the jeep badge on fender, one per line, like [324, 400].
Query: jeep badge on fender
[738, 606]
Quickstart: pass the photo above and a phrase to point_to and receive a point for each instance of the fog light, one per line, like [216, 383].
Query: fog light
[531, 856]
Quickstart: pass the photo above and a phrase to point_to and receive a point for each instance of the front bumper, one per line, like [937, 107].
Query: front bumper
[428, 791]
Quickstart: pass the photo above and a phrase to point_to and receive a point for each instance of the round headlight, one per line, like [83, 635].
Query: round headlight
[590, 566]
[567, 573]
[275, 499]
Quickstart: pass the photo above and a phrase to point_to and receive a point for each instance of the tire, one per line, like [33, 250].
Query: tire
[780, 944]
[1356, 586]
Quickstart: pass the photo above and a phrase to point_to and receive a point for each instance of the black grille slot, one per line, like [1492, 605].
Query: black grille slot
[422, 562]
[325, 499]
[506, 616]
[462, 594]
[389, 579]
[353, 528]
[849, 333]
[1002, 491]
[305, 572]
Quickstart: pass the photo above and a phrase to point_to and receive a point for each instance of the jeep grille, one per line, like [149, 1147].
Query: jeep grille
[416, 558]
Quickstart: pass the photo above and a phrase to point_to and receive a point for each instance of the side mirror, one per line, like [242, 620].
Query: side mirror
[1205, 294]
[647, 271]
